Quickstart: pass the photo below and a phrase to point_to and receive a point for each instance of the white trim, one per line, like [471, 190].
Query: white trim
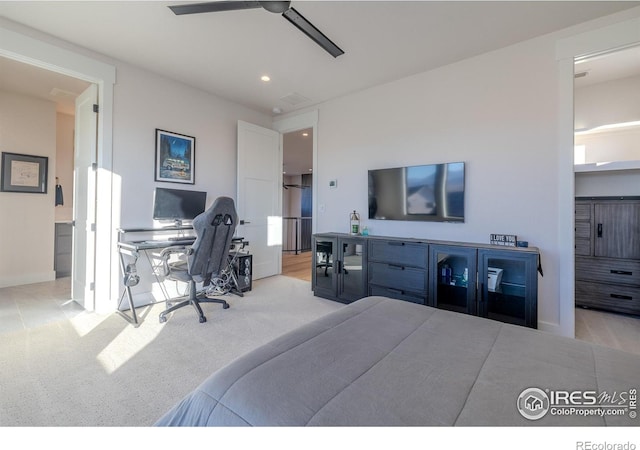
[47, 56]
[298, 122]
[599, 41]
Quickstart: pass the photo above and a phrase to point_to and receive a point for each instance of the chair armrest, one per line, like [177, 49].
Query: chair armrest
[166, 253]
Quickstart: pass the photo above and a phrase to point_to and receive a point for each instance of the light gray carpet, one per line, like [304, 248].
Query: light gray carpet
[84, 369]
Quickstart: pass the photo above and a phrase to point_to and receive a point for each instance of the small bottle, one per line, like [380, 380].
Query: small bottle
[465, 276]
[355, 223]
[365, 231]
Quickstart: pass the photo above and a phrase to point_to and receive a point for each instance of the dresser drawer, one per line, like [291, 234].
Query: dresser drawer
[399, 252]
[583, 211]
[583, 247]
[399, 294]
[610, 297]
[398, 276]
[583, 230]
[617, 271]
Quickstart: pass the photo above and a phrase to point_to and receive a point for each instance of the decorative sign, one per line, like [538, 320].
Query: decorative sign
[506, 240]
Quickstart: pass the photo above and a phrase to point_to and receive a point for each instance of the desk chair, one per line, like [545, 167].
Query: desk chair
[207, 257]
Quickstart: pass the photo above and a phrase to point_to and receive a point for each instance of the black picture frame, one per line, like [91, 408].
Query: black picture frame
[24, 173]
[175, 157]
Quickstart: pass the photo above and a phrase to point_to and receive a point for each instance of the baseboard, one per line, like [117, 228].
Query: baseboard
[552, 328]
[29, 278]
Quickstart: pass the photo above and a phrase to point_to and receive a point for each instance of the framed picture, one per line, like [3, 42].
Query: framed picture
[175, 157]
[24, 173]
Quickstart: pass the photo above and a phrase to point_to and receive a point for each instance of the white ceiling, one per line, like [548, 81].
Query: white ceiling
[226, 53]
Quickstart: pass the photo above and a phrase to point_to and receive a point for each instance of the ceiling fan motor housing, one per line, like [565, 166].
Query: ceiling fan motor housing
[275, 7]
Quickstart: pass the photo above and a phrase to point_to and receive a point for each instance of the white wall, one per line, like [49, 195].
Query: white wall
[143, 102]
[496, 112]
[616, 101]
[292, 197]
[27, 126]
[65, 125]
[608, 184]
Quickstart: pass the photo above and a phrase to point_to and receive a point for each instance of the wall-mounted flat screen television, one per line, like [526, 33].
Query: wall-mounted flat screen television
[433, 193]
[178, 204]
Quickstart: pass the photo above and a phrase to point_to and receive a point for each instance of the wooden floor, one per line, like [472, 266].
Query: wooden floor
[608, 329]
[297, 266]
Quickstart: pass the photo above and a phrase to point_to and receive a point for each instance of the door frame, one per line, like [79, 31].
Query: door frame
[605, 39]
[45, 55]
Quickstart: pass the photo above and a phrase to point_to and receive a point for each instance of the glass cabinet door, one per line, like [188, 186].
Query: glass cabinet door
[324, 258]
[452, 278]
[508, 283]
[351, 269]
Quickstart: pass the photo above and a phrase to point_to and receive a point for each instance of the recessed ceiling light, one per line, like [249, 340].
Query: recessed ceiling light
[265, 78]
[310, 170]
[305, 134]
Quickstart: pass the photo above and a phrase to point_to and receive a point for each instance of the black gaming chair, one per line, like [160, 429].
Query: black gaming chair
[205, 259]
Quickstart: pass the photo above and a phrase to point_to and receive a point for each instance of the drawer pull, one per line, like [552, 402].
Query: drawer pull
[396, 267]
[621, 297]
[621, 272]
[399, 244]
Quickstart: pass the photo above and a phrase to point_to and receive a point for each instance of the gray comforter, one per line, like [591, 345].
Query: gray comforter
[385, 362]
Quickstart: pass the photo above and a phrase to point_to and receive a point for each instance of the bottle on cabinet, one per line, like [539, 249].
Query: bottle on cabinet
[354, 223]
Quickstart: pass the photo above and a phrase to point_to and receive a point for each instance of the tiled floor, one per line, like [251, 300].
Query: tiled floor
[29, 306]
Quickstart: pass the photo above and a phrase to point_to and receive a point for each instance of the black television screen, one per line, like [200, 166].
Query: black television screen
[178, 204]
[432, 192]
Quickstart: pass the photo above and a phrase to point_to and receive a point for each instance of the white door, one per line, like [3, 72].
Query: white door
[259, 201]
[84, 198]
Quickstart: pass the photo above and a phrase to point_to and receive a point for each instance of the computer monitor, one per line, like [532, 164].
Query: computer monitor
[178, 204]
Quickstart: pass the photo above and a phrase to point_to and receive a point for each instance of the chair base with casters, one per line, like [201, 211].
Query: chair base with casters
[193, 298]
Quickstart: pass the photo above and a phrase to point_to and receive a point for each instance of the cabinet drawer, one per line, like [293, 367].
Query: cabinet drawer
[583, 211]
[617, 271]
[583, 230]
[583, 247]
[399, 294]
[399, 252]
[611, 297]
[398, 277]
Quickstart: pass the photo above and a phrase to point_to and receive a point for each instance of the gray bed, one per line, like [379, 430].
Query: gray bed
[384, 362]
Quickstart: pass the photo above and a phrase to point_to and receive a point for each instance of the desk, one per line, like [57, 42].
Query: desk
[132, 249]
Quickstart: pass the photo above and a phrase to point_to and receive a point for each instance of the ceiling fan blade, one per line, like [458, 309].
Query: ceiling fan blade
[197, 8]
[310, 30]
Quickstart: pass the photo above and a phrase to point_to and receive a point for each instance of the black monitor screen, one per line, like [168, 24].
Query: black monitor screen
[178, 204]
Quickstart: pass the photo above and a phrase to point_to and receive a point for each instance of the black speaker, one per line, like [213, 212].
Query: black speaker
[242, 268]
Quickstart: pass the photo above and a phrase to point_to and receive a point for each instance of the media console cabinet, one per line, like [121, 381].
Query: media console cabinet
[491, 281]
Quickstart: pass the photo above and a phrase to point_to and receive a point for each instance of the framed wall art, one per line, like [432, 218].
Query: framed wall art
[175, 157]
[24, 173]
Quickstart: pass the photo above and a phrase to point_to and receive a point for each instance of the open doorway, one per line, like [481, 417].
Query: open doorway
[607, 198]
[42, 104]
[297, 203]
